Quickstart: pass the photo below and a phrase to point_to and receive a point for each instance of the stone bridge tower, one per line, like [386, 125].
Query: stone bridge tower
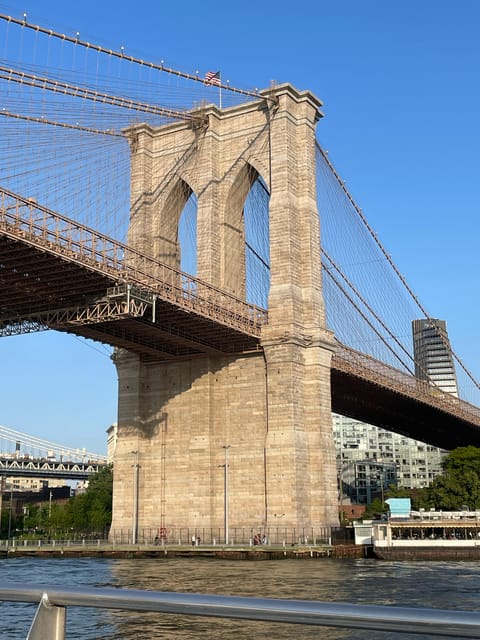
[270, 409]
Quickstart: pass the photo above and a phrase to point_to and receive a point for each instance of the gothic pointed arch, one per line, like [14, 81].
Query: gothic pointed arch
[245, 222]
[169, 232]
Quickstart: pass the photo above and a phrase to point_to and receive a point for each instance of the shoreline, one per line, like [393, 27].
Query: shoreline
[426, 553]
[176, 551]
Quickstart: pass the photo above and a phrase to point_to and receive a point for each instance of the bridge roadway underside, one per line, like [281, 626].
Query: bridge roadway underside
[383, 407]
[40, 289]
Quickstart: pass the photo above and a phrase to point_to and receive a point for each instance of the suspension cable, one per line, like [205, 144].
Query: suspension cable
[121, 54]
[33, 441]
[392, 264]
[369, 323]
[103, 132]
[64, 88]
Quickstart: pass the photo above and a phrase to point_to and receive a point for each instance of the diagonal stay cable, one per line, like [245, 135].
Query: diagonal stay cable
[370, 309]
[392, 264]
[367, 320]
[57, 86]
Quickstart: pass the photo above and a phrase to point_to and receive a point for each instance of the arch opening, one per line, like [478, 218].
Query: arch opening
[187, 235]
[257, 243]
[175, 231]
[246, 254]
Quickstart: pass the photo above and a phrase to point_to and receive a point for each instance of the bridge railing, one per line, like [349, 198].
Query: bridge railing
[39, 226]
[180, 536]
[50, 617]
[271, 535]
[365, 366]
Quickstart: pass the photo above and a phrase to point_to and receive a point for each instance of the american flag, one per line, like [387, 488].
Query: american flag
[212, 77]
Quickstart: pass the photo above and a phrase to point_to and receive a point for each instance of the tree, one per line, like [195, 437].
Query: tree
[459, 485]
[394, 491]
[463, 459]
[375, 509]
[418, 497]
[84, 513]
[93, 509]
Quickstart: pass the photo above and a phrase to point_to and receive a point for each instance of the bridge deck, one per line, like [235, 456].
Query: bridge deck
[55, 273]
[368, 390]
[61, 275]
[41, 468]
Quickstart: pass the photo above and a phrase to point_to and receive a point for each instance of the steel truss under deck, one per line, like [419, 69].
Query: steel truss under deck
[41, 468]
[58, 274]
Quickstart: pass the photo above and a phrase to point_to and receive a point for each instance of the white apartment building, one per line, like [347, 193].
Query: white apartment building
[416, 463]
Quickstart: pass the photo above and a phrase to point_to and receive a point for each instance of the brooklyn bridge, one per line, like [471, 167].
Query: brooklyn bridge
[217, 249]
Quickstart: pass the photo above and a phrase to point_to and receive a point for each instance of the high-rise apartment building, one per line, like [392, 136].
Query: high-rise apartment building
[357, 444]
[432, 353]
[367, 455]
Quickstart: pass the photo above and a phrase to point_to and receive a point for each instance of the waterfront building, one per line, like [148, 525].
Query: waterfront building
[364, 480]
[112, 434]
[362, 449]
[29, 483]
[366, 453]
[432, 354]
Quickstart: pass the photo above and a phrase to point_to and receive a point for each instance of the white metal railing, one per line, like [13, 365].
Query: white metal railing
[49, 620]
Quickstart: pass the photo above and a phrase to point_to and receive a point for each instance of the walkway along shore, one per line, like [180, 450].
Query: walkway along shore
[100, 549]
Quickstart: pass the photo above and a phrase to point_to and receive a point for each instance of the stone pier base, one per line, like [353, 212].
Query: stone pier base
[178, 424]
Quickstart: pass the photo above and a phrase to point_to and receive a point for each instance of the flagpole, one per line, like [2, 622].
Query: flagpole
[214, 78]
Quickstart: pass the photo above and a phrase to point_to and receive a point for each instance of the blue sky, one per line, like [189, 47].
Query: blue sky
[401, 92]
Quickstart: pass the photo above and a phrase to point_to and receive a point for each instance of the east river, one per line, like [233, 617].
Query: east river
[454, 585]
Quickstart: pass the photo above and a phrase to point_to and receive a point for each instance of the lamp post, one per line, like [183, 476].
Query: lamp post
[3, 481]
[225, 495]
[10, 507]
[382, 485]
[343, 468]
[136, 468]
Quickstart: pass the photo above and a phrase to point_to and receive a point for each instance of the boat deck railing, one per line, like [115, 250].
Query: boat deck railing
[50, 617]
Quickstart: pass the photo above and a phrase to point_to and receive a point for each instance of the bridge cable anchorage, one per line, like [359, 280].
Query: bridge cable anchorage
[392, 264]
[121, 55]
[56, 86]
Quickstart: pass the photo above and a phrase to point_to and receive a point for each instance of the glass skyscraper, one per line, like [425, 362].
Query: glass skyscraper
[433, 357]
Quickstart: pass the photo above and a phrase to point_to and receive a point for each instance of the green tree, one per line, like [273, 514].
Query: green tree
[76, 513]
[459, 485]
[86, 512]
[418, 497]
[375, 509]
[31, 521]
[463, 459]
[92, 510]
[394, 491]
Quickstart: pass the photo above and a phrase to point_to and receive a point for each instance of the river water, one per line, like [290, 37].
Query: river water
[454, 585]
